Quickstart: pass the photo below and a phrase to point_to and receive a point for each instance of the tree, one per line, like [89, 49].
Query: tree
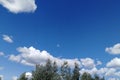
[39, 74]
[55, 73]
[86, 76]
[50, 71]
[96, 77]
[76, 73]
[65, 71]
[46, 72]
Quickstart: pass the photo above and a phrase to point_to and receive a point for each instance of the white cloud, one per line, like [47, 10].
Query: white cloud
[1, 54]
[15, 58]
[117, 73]
[31, 56]
[88, 63]
[113, 79]
[113, 50]
[114, 63]
[102, 70]
[106, 72]
[7, 38]
[26, 63]
[91, 71]
[71, 62]
[14, 78]
[110, 72]
[18, 6]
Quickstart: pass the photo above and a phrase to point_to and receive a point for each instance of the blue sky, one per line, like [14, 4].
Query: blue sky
[66, 29]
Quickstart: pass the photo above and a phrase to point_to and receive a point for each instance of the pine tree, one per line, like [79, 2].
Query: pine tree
[65, 71]
[96, 77]
[76, 73]
[39, 74]
[86, 76]
[46, 72]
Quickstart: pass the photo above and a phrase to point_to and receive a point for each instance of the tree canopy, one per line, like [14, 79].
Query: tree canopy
[50, 71]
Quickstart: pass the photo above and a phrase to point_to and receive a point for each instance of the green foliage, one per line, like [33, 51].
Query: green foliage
[96, 77]
[86, 76]
[76, 72]
[38, 73]
[47, 72]
[50, 71]
[65, 71]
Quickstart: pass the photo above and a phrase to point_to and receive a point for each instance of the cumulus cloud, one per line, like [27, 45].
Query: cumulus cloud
[113, 79]
[88, 63]
[32, 56]
[15, 58]
[110, 72]
[18, 6]
[1, 54]
[117, 73]
[106, 72]
[113, 50]
[71, 62]
[7, 38]
[114, 63]
[91, 71]
[102, 70]
[113, 68]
